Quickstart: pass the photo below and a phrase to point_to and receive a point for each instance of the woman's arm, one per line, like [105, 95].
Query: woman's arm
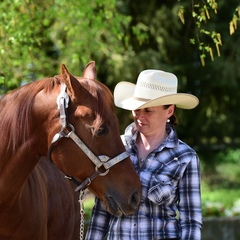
[190, 208]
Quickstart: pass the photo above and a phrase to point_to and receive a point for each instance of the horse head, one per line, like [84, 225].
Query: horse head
[84, 141]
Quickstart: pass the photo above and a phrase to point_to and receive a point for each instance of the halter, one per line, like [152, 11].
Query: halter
[68, 131]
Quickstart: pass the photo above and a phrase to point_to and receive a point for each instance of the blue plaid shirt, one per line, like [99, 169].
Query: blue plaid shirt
[171, 201]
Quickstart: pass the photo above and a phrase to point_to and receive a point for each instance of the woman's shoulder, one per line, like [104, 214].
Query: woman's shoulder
[184, 149]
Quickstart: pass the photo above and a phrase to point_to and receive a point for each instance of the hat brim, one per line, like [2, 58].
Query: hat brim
[124, 92]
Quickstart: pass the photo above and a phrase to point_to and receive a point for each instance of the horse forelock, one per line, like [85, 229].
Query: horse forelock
[16, 112]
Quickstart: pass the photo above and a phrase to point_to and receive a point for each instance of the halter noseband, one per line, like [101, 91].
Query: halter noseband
[68, 131]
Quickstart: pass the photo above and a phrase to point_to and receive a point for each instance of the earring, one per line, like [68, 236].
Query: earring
[168, 120]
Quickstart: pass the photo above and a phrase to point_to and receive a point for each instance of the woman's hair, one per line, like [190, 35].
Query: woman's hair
[173, 118]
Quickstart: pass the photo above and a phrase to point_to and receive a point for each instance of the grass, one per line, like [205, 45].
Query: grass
[221, 190]
[226, 197]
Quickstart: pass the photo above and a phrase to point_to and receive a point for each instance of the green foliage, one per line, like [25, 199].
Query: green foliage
[234, 210]
[220, 203]
[235, 20]
[88, 205]
[215, 209]
[218, 194]
[36, 36]
[21, 32]
[221, 187]
[218, 199]
[202, 13]
[229, 155]
[219, 209]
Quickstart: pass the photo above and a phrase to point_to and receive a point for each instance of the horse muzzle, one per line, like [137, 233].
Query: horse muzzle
[114, 205]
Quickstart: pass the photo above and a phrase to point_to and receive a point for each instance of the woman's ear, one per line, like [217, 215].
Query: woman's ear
[170, 110]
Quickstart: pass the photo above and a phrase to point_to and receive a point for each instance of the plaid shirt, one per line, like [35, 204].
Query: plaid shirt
[171, 201]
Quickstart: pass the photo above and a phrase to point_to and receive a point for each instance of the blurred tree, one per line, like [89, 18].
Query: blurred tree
[25, 41]
[159, 40]
[36, 36]
[125, 37]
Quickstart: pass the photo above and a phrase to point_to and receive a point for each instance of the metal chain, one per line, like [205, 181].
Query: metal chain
[81, 199]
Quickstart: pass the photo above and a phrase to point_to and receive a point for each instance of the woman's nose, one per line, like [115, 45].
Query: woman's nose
[137, 113]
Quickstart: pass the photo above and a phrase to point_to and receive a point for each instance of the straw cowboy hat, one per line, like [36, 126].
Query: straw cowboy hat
[153, 88]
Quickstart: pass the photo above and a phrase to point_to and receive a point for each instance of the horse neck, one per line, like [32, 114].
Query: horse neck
[13, 175]
[18, 160]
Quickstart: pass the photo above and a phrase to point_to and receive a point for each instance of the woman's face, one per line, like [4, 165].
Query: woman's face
[153, 119]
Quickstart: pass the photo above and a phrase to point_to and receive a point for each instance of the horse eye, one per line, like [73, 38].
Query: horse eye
[101, 131]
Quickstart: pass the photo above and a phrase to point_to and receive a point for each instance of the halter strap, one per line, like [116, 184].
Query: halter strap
[101, 160]
[62, 102]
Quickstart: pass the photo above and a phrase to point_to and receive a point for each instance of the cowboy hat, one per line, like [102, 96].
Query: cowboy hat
[153, 88]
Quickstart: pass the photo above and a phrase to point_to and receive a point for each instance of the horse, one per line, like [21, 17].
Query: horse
[55, 127]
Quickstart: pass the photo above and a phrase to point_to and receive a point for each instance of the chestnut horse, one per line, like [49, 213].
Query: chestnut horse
[72, 120]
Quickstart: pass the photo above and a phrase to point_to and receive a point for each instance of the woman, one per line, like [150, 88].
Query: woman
[168, 168]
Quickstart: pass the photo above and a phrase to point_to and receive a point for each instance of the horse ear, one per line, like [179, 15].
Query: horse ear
[90, 71]
[69, 80]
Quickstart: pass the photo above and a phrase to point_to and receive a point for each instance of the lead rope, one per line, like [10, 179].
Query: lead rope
[81, 199]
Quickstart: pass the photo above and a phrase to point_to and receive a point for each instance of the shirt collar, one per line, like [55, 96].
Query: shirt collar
[170, 142]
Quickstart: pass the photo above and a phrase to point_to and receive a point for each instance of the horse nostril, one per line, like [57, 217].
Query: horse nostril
[134, 199]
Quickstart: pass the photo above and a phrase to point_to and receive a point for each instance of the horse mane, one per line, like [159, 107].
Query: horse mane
[16, 112]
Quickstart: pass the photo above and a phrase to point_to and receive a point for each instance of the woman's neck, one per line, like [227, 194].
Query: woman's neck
[147, 144]
[152, 140]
